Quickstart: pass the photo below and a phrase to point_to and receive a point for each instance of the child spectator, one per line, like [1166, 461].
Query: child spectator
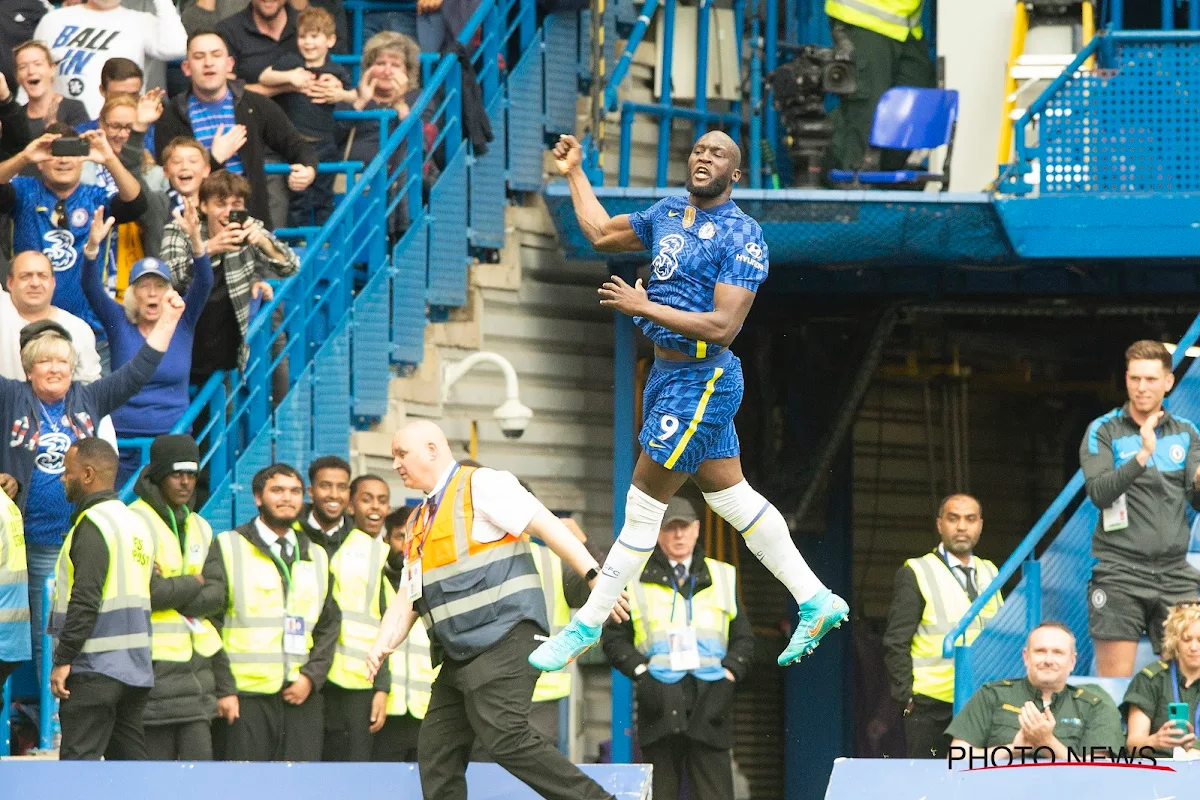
[316, 84]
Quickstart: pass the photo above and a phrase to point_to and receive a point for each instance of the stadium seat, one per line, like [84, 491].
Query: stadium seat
[908, 118]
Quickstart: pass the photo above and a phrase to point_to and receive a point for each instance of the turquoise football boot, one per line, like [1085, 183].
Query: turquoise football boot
[820, 614]
[565, 646]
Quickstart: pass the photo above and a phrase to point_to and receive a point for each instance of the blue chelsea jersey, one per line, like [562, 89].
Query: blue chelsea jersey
[693, 251]
[62, 244]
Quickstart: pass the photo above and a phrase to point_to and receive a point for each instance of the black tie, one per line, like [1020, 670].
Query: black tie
[969, 583]
[680, 575]
[286, 552]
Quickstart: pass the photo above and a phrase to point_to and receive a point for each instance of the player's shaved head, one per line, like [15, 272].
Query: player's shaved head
[420, 454]
[714, 166]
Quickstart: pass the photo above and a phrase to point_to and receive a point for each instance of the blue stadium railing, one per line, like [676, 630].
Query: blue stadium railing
[1053, 584]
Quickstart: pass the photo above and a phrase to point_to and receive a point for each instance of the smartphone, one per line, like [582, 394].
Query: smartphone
[70, 146]
[1178, 713]
[239, 216]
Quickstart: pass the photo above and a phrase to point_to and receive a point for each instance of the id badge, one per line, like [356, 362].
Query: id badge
[293, 636]
[685, 655]
[410, 580]
[197, 626]
[1116, 516]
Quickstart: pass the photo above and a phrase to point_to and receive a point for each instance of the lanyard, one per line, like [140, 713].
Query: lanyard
[688, 601]
[428, 511]
[283, 568]
[1175, 692]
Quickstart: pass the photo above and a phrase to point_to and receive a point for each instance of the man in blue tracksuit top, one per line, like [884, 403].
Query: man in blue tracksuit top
[1141, 465]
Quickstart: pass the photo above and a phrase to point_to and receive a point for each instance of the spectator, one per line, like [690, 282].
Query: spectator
[121, 76]
[355, 708]
[244, 256]
[885, 40]
[116, 119]
[1140, 464]
[48, 414]
[164, 399]
[53, 213]
[206, 15]
[932, 593]
[18, 21]
[439, 22]
[236, 125]
[43, 105]
[269, 679]
[1040, 709]
[316, 85]
[71, 33]
[412, 672]
[685, 670]
[101, 618]
[1175, 679]
[182, 704]
[14, 599]
[185, 166]
[257, 37]
[30, 288]
[391, 70]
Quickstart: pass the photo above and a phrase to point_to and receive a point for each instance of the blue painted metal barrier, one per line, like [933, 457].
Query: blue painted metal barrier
[1053, 585]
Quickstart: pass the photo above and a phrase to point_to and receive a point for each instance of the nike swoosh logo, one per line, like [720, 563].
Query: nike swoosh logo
[656, 444]
[672, 213]
[815, 629]
[1130, 454]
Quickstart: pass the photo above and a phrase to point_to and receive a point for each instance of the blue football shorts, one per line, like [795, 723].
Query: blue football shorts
[688, 409]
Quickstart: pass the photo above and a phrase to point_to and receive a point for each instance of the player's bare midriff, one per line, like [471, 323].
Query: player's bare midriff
[671, 355]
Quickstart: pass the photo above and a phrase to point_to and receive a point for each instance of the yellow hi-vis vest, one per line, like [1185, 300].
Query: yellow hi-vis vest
[258, 602]
[895, 19]
[171, 637]
[14, 585]
[552, 685]
[945, 603]
[356, 569]
[412, 671]
[119, 645]
[658, 609]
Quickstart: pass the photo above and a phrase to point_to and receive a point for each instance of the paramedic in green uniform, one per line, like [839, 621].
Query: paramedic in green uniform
[1040, 709]
[1175, 679]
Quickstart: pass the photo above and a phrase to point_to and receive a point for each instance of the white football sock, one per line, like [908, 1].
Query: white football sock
[643, 517]
[766, 534]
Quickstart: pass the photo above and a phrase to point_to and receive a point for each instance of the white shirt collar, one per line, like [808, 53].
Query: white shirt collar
[687, 565]
[443, 480]
[953, 560]
[315, 524]
[269, 536]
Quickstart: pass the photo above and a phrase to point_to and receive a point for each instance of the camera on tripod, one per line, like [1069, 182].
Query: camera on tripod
[800, 87]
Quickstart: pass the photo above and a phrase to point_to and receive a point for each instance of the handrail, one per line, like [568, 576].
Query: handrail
[1026, 547]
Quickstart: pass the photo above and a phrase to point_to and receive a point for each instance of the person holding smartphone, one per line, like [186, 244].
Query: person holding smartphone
[1161, 703]
[244, 256]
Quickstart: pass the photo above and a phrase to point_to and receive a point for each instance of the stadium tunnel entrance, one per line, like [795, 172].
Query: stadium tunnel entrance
[860, 414]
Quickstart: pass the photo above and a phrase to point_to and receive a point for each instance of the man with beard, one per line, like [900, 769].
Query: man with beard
[324, 518]
[182, 705]
[709, 260]
[100, 617]
[355, 708]
[931, 594]
[269, 676]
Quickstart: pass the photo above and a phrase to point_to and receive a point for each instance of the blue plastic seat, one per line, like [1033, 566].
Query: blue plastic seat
[908, 118]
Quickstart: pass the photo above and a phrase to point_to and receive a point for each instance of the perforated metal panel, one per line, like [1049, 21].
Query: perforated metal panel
[408, 294]
[562, 65]
[370, 357]
[218, 510]
[526, 121]
[257, 456]
[448, 234]
[331, 396]
[1131, 129]
[293, 423]
[487, 183]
